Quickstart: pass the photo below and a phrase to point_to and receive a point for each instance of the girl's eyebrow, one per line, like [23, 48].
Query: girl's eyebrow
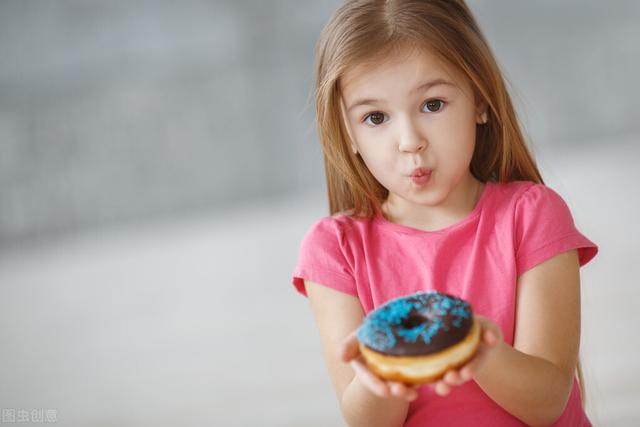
[424, 86]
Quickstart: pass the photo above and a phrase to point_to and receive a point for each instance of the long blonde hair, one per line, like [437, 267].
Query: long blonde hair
[361, 31]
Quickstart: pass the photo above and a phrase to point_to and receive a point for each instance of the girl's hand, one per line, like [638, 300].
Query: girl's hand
[350, 353]
[490, 338]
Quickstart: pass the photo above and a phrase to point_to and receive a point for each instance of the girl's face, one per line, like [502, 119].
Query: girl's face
[410, 112]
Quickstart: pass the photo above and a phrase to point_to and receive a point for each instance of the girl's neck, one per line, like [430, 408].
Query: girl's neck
[457, 206]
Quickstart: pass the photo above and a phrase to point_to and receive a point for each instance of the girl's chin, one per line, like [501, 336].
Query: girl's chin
[421, 198]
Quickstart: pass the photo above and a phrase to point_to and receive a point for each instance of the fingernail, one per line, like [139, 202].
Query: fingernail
[490, 337]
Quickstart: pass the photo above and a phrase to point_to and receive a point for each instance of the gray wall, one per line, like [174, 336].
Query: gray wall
[116, 111]
[573, 65]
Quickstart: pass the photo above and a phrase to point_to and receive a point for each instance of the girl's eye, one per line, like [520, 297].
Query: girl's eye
[434, 105]
[377, 118]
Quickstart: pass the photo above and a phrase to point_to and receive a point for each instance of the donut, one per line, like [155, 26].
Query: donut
[415, 339]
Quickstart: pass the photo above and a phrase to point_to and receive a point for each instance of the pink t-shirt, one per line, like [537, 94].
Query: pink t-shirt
[513, 227]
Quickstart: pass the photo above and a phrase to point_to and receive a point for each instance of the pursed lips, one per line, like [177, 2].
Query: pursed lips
[420, 172]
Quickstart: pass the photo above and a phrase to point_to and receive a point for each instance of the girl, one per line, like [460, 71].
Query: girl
[431, 187]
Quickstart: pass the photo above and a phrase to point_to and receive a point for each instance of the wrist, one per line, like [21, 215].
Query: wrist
[362, 407]
[360, 387]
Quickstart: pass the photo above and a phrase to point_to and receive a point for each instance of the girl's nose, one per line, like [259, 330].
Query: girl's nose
[411, 139]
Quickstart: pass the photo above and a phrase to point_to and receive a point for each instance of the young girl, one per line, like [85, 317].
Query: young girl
[431, 187]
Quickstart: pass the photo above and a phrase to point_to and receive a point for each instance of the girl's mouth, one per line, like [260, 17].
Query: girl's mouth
[421, 176]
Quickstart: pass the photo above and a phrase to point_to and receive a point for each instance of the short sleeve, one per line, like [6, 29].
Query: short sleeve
[544, 227]
[324, 258]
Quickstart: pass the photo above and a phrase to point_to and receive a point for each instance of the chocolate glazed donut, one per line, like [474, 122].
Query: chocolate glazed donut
[417, 338]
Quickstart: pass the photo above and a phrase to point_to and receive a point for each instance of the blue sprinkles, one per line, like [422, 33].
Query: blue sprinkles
[377, 329]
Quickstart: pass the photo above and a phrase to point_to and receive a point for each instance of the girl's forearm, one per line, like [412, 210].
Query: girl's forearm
[528, 387]
[361, 407]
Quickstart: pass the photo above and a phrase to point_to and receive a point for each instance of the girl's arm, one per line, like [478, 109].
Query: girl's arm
[337, 316]
[532, 380]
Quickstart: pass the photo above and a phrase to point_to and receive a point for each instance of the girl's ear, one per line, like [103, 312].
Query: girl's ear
[482, 115]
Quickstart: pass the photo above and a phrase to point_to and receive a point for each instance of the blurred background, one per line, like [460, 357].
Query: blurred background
[159, 167]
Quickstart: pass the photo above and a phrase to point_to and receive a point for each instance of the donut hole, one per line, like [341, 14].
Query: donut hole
[412, 321]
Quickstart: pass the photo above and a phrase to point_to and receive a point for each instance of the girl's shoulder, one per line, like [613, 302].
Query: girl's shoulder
[523, 202]
[343, 221]
[538, 209]
[512, 189]
[526, 193]
[340, 226]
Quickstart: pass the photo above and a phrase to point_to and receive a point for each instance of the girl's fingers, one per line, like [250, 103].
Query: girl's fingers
[453, 377]
[369, 379]
[491, 336]
[380, 387]
[402, 390]
[469, 370]
[491, 333]
[349, 352]
[349, 348]
[442, 388]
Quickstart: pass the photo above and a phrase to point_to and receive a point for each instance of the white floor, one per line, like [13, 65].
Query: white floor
[195, 322]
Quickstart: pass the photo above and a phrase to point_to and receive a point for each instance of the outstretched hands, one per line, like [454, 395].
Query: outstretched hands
[490, 338]
[350, 353]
